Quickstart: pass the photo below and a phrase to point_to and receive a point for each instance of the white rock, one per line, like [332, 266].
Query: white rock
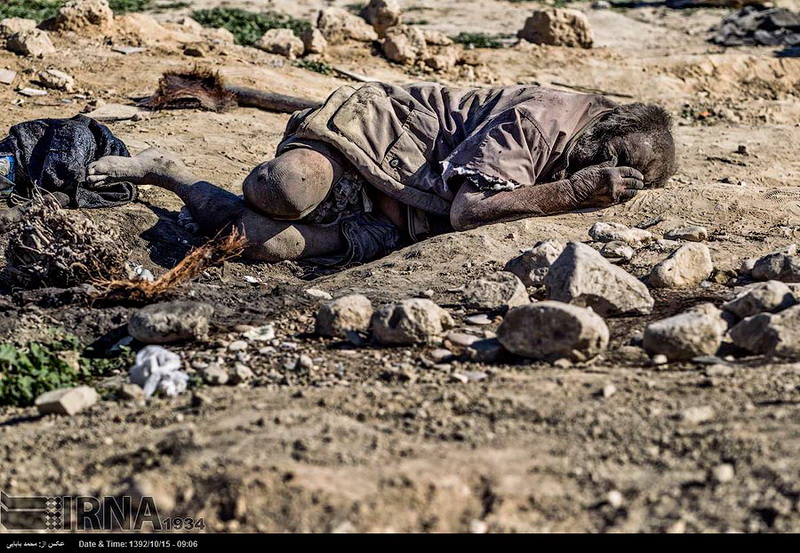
[382, 14]
[314, 41]
[404, 44]
[282, 42]
[617, 232]
[552, 330]
[698, 415]
[688, 266]
[774, 334]
[344, 315]
[162, 323]
[771, 296]
[34, 42]
[53, 78]
[698, 331]
[532, 265]
[67, 401]
[582, 276]
[692, 233]
[558, 27]
[722, 474]
[13, 25]
[338, 25]
[410, 322]
[497, 291]
[782, 264]
[617, 250]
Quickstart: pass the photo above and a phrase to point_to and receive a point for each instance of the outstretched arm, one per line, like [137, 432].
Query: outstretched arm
[596, 186]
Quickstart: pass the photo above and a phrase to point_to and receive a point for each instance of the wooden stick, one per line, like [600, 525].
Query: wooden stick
[591, 90]
[270, 101]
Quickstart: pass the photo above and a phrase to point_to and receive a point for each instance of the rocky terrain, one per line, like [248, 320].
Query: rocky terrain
[627, 369]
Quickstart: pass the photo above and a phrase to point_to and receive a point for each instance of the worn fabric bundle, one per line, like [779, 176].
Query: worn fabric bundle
[54, 154]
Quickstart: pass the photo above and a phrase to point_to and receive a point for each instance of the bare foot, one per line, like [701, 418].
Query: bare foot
[152, 166]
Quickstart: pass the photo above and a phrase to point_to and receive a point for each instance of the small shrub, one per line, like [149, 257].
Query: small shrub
[247, 27]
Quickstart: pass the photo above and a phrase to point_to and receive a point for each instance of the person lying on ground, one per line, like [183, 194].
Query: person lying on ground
[379, 166]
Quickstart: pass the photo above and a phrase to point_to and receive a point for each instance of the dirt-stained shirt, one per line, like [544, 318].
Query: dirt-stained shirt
[414, 142]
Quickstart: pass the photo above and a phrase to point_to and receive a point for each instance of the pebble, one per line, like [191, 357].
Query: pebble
[67, 401]
[660, 359]
[609, 390]
[241, 374]
[615, 499]
[486, 351]
[215, 375]
[264, 333]
[410, 322]
[478, 320]
[440, 354]
[316, 293]
[693, 233]
[461, 339]
[688, 266]
[345, 315]
[771, 296]
[722, 474]
[238, 345]
[698, 415]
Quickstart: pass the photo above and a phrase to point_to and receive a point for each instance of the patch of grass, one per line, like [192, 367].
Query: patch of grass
[316, 66]
[478, 40]
[128, 6]
[247, 27]
[27, 372]
[38, 10]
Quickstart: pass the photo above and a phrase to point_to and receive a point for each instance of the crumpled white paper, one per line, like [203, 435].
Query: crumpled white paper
[158, 370]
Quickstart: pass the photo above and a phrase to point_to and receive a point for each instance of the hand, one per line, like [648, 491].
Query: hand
[605, 185]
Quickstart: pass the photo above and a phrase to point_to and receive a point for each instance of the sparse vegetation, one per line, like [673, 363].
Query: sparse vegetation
[479, 40]
[247, 27]
[26, 372]
[315, 66]
[38, 10]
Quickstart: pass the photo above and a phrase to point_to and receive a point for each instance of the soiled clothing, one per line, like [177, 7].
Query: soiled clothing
[53, 155]
[417, 143]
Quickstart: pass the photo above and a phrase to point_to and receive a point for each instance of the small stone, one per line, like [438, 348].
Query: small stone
[410, 322]
[698, 415]
[558, 27]
[314, 42]
[660, 359]
[163, 323]
[344, 315]
[617, 250]
[338, 25]
[241, 374]
[215, 375]
[78, 15]
[405, 44]
[238, 345]
[698, 331]
[479, 320]
[615, 499]
[436, 38]
[583, 277]
[200, 399]
[693, 233]
[32, 92]
[562, 363]
[722, 474]
[132, 392]
[443, 60]
[747, 266]
[608, 390]
[617, 232]
[500, 290]
[771, 296]
[382, 14]
[783, 265]
[318, 294]
[532, 265]
[485, 351]
[282, 42]
[7, 76]
[439, 355]
[58, 80]
[601, 5]
[460, 339]
[153, 486]
[67, 401]
[477, 526]
[688, 266]
[264, 333]
[33, 42]
[304, 362]
[774, 334]
[551, 330]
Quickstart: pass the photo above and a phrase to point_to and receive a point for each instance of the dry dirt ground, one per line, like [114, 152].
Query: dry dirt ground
[372, 440]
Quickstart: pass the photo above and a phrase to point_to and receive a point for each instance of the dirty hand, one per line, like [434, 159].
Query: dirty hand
[605, 185]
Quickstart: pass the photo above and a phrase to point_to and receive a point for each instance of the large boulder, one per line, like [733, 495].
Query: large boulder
[696, 332]
[558, 27]
[382, 14]
[282, 42]
[413, 321]
[79, 15]
[776, 334]
[689, 265]
[532, 265]
[582, 276]
[338, 25]
[552, 330]
[163, 323]
[340, 317]
[771, 296]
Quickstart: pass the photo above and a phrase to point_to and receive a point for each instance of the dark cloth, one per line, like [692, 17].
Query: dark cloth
[369, 236]
[54, 154]
[758, 25]
[415, 142]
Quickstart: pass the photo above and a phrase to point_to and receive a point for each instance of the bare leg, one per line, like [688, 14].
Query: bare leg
[215, 209]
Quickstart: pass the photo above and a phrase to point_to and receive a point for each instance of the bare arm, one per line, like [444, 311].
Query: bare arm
[596, 186]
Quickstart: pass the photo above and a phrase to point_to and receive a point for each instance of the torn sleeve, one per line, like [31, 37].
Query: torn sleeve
[506, 153]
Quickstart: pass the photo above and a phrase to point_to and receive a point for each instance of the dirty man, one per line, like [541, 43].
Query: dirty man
[379, 166]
